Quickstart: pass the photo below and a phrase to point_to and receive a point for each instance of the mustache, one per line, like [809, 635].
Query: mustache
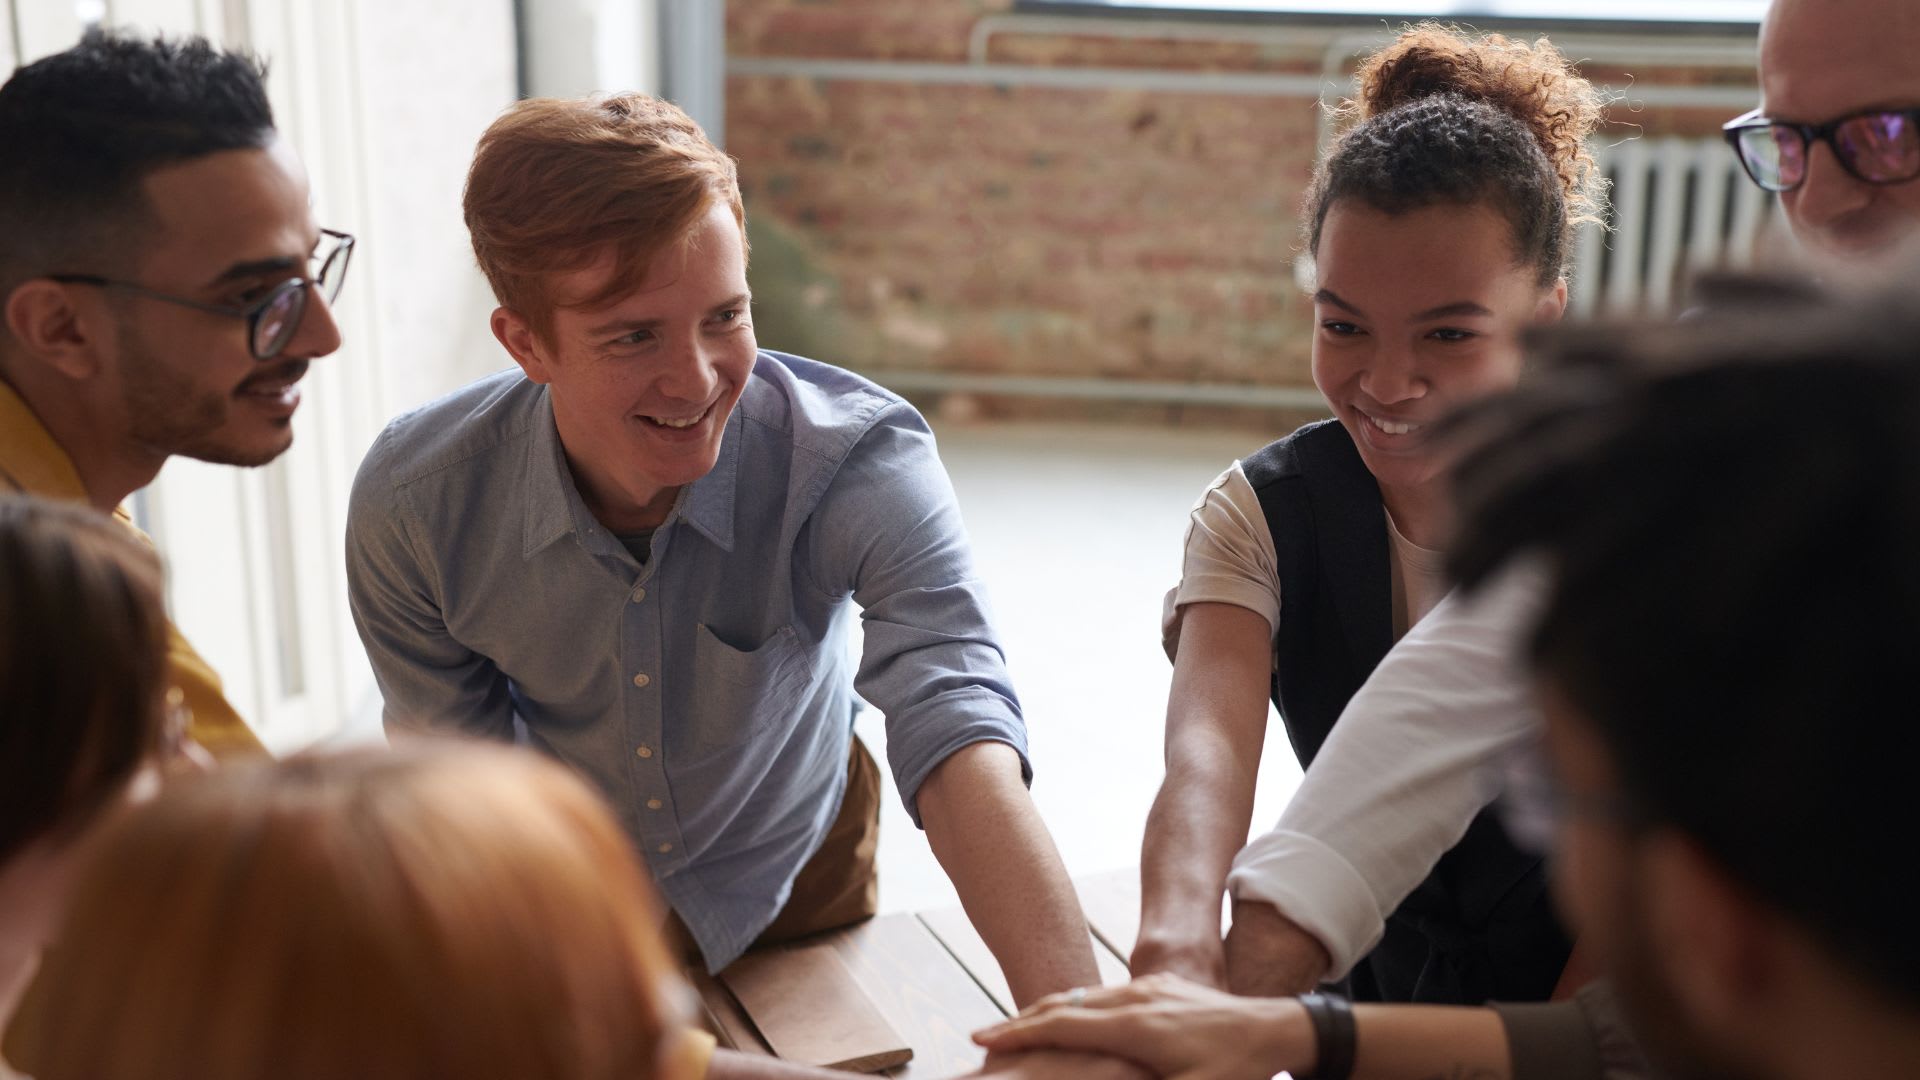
[286, 371]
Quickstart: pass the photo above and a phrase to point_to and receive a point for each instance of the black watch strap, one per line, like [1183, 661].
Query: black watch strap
[1333, 1033]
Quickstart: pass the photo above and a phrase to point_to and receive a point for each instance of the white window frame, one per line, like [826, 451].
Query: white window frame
[256, 573]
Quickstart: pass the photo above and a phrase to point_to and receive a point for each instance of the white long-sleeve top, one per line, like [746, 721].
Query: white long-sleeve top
[1418, 751]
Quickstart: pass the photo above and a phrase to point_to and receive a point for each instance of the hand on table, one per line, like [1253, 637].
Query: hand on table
[1177, 1029]
[1059, 1065]
[1270, 955]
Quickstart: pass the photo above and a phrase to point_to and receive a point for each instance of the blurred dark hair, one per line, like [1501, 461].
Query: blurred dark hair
[1729, 509]
[83, 665]
[83, 128]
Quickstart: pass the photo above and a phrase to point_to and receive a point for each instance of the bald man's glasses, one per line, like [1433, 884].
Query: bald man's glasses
[1878, 146]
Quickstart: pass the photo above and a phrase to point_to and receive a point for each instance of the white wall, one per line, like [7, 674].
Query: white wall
[580, 47]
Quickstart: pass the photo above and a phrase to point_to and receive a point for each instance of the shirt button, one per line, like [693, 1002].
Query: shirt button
[664, 848]
[645, 751]
[641, 679]
[654, 804]
[639, 595]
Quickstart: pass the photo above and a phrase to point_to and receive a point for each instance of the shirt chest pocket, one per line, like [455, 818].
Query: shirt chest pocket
[744, 693]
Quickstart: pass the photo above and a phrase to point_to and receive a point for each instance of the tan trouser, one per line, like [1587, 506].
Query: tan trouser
[838, 886]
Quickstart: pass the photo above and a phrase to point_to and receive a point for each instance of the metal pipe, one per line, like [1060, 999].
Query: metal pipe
[1230, 83]
[1129, 390]
[1137, 29]
[1728, 50]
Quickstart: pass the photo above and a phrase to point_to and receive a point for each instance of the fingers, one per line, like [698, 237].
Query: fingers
[1080, 997]
[1059, 1028]
[1047, 1064]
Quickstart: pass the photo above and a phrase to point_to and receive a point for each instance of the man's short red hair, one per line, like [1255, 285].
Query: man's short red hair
[558, 183]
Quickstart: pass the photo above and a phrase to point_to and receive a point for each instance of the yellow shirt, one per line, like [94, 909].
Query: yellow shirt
[31, 462]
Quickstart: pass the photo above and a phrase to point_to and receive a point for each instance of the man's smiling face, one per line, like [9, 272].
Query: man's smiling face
[643, 384]
[231, 226]
[1824, 59]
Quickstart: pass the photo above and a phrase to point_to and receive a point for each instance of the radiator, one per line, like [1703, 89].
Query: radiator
[1680, 206]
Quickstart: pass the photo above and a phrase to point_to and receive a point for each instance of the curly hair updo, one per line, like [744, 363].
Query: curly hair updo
[1440, 116]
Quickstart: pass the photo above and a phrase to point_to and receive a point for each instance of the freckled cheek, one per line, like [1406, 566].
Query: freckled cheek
[616, 396]
[739, 366]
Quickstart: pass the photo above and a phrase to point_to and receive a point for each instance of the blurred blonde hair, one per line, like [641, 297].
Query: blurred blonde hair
[437, 910]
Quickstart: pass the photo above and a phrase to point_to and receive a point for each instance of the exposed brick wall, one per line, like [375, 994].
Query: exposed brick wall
[867, 29]
[1104, 232]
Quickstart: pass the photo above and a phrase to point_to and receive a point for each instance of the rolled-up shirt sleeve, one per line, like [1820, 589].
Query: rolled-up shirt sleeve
[1415, 755]
[888, 531]
[1584, 1038]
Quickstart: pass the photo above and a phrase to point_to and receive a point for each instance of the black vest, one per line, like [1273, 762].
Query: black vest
[1481, 927]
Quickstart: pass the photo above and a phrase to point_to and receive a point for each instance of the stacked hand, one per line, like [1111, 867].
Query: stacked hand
[1265, 954]
[1059, 1065]
[1175, 1028]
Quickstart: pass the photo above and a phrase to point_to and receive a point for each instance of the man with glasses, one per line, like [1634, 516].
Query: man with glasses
[1730, 791]
[1411, 760]
[1837, 133]
[162, 282]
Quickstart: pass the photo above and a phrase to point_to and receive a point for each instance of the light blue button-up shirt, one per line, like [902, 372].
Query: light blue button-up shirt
[707, 692]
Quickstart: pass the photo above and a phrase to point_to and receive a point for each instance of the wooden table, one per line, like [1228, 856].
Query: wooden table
[934, 980]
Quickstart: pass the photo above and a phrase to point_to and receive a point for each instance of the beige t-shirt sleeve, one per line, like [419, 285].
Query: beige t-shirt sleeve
[1228, 557]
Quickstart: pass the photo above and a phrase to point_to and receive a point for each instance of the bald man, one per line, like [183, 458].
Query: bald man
[1823, 61]
[1417, 752]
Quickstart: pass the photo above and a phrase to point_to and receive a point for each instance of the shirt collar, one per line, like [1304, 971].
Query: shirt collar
[550, 514]
[29, 458]
[555, 508]
[709, 502]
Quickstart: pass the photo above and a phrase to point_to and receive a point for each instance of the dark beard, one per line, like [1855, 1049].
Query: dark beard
[172, 416]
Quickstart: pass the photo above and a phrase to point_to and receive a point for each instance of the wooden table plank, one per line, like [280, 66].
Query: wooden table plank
[724, 1016]
[812, 1011]
[955, 931]
[1112, 903]
[925, 994]
[1113, 966]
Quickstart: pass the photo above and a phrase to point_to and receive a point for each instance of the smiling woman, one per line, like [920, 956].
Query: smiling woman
[1440, 226]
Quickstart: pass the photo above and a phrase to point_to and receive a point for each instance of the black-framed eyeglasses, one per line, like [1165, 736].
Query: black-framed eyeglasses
[1877, 146]
[1533, 803]
[273, 319]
